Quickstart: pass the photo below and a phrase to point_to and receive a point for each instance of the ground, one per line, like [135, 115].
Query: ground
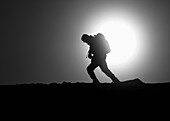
[87, 98]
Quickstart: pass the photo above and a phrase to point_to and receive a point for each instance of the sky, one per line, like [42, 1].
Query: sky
[41, 39]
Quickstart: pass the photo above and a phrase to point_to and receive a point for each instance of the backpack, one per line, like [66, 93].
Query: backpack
[103, 46]
[106, 47]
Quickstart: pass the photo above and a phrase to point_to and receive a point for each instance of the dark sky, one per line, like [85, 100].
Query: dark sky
[41, 39]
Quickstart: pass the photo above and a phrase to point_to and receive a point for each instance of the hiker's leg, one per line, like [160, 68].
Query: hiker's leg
[105, 69]
[90, 70]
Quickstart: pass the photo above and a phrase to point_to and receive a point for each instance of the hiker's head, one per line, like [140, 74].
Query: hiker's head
[86, 38]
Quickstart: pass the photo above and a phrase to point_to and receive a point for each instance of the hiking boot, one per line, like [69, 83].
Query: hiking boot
[96, 82]
[116, 81]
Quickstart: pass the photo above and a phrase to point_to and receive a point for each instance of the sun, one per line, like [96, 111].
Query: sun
[123, 40]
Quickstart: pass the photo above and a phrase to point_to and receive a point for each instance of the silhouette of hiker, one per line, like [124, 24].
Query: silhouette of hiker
[99, 47]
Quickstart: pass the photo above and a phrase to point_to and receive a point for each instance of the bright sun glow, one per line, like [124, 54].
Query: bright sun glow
[123, 40]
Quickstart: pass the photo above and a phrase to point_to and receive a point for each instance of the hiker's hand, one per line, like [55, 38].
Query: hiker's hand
[90, 55]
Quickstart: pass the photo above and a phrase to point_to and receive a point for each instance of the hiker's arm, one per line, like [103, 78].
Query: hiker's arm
[90, 54]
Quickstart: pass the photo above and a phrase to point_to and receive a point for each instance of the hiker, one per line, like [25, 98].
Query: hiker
[99, 48]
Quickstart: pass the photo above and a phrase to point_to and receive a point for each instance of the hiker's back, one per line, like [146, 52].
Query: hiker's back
[101, 45]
